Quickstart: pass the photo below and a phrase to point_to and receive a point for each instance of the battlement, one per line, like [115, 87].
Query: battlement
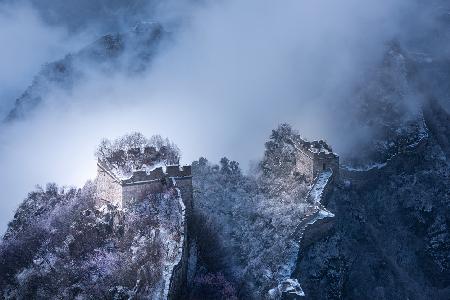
[177, 171]
[120, 191]
[158, 174]
[143, 175]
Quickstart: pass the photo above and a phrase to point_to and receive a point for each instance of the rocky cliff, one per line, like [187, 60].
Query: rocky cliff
[389, 238]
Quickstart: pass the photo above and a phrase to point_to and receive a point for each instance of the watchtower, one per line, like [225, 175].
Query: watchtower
[121, 191]
[315, 157]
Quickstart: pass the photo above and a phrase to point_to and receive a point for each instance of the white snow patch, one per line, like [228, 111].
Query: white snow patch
[318, 188]
[175, 249]
[366, 168]
[286, 284]
[291, 286]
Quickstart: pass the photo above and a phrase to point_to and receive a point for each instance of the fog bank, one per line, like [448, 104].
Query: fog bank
[231, 72]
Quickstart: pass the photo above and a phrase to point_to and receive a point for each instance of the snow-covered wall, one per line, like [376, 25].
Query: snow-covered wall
[289, 287]
[312, 164]
[108, 188]
[178, 280]
[363, 176]
[122, 191]
[323, 163]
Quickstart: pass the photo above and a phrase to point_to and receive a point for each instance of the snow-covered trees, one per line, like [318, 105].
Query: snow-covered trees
[242, 226]
[134, 152]
[277, 167]
[244, 223]
[60, 246]
[279, 154]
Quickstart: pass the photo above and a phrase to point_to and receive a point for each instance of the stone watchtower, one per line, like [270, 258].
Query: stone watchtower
[114, 188]
[120, 191]
[315, 157]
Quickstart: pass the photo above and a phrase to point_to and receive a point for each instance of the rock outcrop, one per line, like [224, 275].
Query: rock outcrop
[389, 238]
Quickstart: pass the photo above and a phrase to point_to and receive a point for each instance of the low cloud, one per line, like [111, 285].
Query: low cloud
[231, 72]
[27, 43]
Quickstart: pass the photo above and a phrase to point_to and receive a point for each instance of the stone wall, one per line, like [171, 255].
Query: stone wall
[138, 191]
[178, 282]
[108, 188]
[317, 231]
[310, 164]
[158, 174]
[409, 157]
[141, 184]
[185, 186]
[324, 163]
[176, 171]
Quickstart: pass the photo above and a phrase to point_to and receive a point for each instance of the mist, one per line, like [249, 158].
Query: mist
[231, 72]
[28, 43]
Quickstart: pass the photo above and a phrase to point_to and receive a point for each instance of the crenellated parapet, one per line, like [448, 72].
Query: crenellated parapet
[156, 174]
[113, 189]
[177, 171]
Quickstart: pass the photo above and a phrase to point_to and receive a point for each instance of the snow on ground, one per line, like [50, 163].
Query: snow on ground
[286, 284]
[127, 172]
[315, 194]
[175, 249]
[366, 168]
[422, 134]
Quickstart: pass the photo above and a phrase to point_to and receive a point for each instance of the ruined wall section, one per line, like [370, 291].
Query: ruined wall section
[312, 164]
[141, 184]
[138, 192]
[324, 162]
[185, 186]
[108, 188]
[179, 280]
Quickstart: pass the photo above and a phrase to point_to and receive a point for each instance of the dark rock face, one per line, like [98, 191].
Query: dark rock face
[390, 238]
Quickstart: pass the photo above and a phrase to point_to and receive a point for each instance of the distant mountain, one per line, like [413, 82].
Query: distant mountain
[130, 52]
[104, 15]
[377, 228]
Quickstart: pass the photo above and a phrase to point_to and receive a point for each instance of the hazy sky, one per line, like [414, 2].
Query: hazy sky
[234, 70]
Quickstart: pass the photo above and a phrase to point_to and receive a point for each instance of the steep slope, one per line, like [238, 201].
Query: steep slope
[390, 237]
[60, 245]
[104, 15]
[387, 107]
[69, 243]
[246, 226]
